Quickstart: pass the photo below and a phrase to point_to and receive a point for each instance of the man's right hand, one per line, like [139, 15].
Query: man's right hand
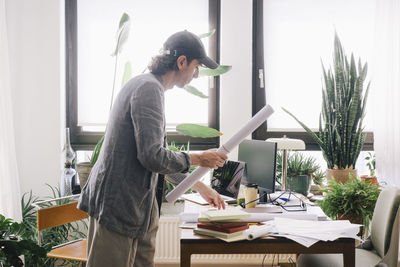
[209, 159]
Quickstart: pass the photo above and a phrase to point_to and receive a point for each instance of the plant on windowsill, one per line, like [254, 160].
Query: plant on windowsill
[340, 135]
[370, 158]
[301, 170]
[353, 201]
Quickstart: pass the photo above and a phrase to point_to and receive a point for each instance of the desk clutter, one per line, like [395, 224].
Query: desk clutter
[235, 224]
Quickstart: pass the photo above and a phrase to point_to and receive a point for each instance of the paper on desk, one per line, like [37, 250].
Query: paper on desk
[262, 217]
[234, 141]
[193, 216]
[309, 232]
[303, 232]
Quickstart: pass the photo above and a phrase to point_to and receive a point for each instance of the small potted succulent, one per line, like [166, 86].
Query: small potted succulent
[301, 170]
[370, 158]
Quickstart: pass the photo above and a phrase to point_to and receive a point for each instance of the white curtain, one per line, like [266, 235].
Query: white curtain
[385, 98]
[10, 195]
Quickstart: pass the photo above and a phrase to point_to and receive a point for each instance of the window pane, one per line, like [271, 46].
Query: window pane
[298, 34]
[152, 21]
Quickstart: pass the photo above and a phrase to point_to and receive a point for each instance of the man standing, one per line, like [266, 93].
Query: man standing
[121, 193]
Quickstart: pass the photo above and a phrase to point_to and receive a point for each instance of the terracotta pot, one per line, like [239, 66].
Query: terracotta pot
[84, 169]
[371, 179]
[340, 176]
[356, 220]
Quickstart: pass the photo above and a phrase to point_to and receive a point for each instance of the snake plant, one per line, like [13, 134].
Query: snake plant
[340, 134]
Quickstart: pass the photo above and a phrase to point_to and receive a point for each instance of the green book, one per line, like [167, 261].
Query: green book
[212, 233]
[228, 215]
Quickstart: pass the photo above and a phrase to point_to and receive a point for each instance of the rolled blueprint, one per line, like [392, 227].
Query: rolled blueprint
[258, 231]
[226, 148]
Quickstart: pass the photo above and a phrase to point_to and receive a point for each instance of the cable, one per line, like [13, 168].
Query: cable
[243, 205]
[262, 263]
[265, 255]
[292, 262]
[273, 260]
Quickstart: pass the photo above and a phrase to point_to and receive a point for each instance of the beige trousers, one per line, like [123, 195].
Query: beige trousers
[107, 248]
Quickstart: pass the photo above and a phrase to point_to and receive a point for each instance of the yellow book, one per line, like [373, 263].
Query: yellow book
[218, 234]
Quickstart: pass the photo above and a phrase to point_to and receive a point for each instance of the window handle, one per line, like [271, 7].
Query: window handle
[261, 77]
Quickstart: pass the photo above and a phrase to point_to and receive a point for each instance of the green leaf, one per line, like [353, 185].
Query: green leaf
[207, 34]
[214, 72]
[122, 33]
[193, 90]
[96, 151]
[195, 130]
[309, 131]
[127, 73]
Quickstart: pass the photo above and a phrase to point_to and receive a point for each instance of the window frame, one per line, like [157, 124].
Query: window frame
[85, 140]
[258, 89]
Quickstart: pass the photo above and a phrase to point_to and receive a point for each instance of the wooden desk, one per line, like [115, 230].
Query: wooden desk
[196, 244]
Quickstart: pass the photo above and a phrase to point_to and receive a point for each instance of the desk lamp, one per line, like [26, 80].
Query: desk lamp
[285, 144]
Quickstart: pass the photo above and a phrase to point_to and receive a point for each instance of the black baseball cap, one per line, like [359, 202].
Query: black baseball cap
[188, 44]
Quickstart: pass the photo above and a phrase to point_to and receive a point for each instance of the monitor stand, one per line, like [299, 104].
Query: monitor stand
[263, 194]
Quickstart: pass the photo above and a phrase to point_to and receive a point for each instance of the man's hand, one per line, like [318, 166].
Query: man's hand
[209, 159]
[210, 195]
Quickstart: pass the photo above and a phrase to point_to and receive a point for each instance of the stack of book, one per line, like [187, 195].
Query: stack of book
[222, 223]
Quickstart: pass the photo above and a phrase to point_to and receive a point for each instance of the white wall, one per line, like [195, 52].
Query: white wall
[36, 59]
[36, 41]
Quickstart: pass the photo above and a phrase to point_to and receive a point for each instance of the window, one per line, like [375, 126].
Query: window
[292, 37]
[90, 35]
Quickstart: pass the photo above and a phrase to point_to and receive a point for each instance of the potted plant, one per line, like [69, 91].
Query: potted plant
[300, 171]
[370, 158]
[353, 201]
[15, 242]
[340, 134]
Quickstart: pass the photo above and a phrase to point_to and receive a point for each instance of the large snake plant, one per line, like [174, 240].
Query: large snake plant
[340, 135]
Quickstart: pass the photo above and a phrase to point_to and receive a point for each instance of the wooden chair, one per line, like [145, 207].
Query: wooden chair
[53, 216]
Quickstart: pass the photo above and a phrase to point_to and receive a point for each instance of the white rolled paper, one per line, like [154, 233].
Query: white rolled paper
[259, 231]
[226, 148]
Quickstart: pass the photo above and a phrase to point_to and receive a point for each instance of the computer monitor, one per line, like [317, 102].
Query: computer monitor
[260, 158]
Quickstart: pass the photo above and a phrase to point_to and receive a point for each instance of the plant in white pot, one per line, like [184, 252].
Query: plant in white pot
[340, 134]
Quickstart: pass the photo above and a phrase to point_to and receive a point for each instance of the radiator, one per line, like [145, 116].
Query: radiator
[168, 249]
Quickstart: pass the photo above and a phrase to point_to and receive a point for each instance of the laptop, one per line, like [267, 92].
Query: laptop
[226, 180]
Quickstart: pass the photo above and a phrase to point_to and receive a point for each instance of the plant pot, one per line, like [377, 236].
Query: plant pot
[315, 189]
[84, 169]
[352, 219]
[299, 184]
[340, 176]
[371, 179]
